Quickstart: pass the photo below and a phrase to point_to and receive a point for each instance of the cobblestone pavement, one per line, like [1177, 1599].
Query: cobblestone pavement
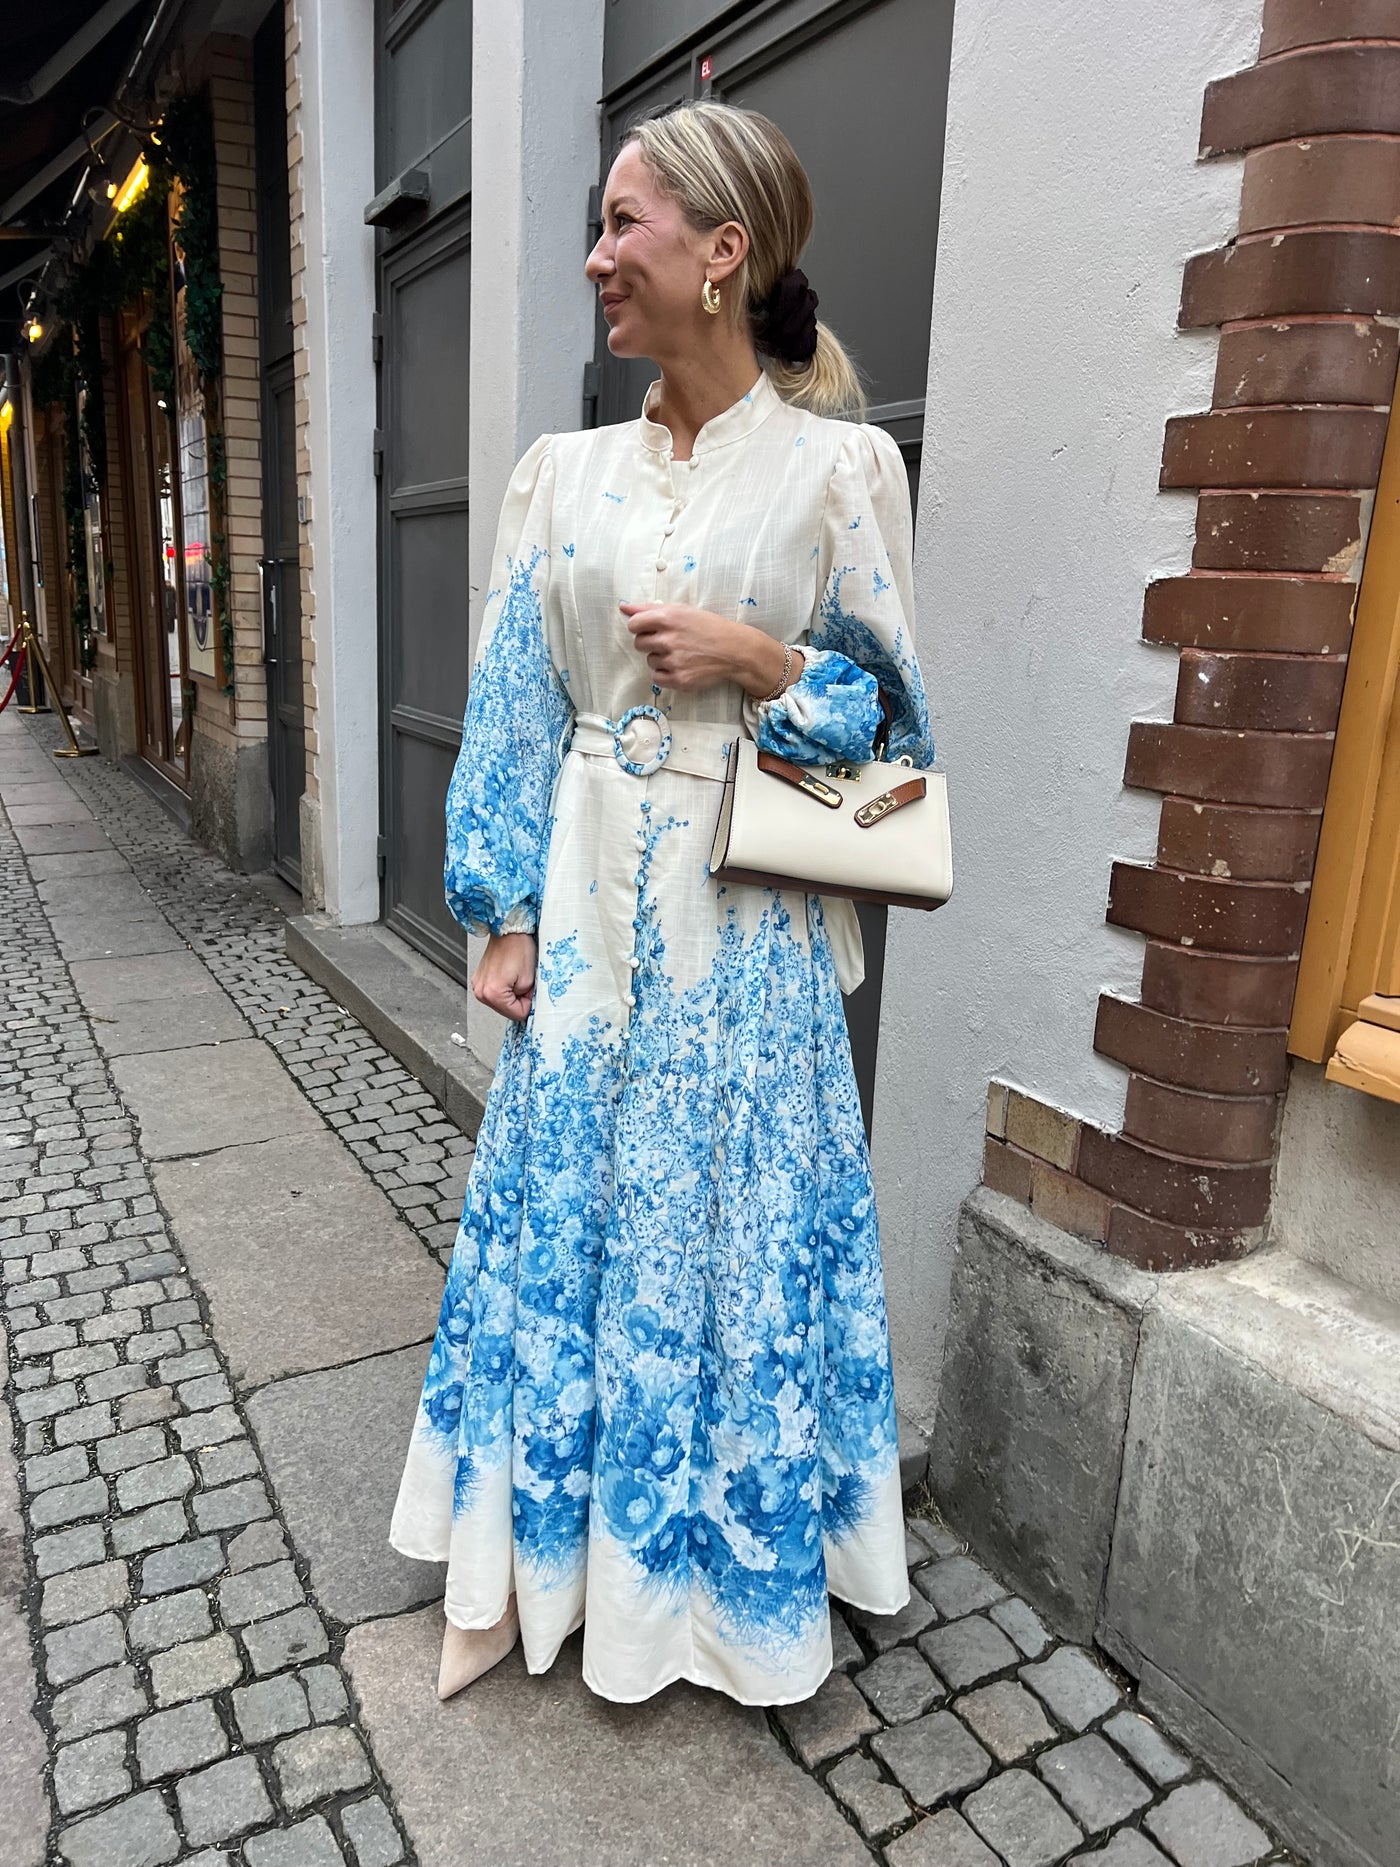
[228, 1666]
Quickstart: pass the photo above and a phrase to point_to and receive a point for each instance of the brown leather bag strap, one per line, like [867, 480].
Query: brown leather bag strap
[799, 776]
[892, 800]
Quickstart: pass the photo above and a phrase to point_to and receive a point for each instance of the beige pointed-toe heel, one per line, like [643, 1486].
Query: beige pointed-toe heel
[468, 1652]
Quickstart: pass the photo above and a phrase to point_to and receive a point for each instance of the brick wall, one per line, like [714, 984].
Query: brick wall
[1284, 465]
[227, 64]
[302, 365]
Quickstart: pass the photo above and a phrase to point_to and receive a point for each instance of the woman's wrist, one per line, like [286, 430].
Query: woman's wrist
[762, 663]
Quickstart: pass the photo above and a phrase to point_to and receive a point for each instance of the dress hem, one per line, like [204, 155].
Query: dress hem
[846, 1601]
[709, 1685]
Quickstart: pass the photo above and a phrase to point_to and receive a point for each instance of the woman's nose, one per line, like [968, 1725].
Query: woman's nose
[599, 263]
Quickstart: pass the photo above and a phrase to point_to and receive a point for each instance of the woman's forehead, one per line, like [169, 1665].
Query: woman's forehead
[630, 176]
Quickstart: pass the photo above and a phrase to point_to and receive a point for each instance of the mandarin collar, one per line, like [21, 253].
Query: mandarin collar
[738, 420]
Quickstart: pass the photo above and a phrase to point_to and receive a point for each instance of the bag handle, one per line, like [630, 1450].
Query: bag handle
[880, 745]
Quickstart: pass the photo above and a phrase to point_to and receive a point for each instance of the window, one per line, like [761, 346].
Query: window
[1347, 1008]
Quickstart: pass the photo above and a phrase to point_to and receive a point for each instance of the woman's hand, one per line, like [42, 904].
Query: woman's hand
[689, 648]
[505, 978]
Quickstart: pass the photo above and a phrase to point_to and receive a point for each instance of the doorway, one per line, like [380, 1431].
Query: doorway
[155, 557]
[423, 143]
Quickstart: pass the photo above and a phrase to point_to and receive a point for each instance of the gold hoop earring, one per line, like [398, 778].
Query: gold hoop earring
[709, 296]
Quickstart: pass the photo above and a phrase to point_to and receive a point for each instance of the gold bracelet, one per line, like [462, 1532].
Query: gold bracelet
[783, 680]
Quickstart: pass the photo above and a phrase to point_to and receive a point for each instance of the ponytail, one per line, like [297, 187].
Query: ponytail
[828, 385]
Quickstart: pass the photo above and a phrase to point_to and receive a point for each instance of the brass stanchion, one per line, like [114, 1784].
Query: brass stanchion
[32, 646]
[31, 665]
[31, 656]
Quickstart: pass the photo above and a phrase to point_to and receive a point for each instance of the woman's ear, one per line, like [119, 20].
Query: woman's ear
[729, 245]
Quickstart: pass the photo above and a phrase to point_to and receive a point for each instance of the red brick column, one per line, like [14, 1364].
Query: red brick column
[1284, 464]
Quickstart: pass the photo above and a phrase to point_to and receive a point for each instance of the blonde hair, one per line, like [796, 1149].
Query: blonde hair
[720, 163]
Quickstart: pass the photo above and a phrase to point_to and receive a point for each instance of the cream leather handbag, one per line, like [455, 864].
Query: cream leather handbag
[871, 832]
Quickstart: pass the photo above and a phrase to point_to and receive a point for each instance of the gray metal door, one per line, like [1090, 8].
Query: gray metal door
[423, 213]
[860, 86]
[281, 571]
[281, 563]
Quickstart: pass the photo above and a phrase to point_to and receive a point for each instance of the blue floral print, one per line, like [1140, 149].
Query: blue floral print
[561, 965]
[498, 799]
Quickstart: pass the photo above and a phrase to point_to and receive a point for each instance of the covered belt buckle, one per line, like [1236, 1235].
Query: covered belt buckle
[642, 768]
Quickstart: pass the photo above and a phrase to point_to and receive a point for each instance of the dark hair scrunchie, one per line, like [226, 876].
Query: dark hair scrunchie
[785, 324]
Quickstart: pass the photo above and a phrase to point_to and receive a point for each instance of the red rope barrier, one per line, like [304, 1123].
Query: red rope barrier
[14, 678]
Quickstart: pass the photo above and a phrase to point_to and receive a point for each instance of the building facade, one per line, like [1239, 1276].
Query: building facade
[1126, 292]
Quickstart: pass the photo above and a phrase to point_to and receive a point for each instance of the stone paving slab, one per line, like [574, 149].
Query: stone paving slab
[150, 1024]
[212, 1097]
[114, 895]
[58, 811]
[107, 861]
[79, 936]
[24, 1829]
[46, 789]
[103, 984]
[350, 1277]
[508, 1773]
[334, 1447]
[46, 839]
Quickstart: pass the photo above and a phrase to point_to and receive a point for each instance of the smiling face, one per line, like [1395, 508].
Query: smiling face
[650, 265]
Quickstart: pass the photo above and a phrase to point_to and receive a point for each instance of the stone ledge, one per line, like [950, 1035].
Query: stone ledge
[1251, 1582]
[1042, 1338]
[1330, 1342]
[405, 1004]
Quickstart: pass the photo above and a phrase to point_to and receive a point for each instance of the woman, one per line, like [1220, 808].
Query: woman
[659, 1402]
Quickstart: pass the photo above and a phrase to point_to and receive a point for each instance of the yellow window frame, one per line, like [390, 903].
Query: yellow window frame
[1346, 1010]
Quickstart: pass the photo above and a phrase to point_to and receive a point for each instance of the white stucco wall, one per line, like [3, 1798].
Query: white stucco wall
[1071, 196]
[336, 68]
[536, 76]
[1337, 1182]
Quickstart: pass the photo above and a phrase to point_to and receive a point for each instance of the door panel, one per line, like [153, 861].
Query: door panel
[427, 317]
[423, 90]
[423, 753]
[430, 548]
[425, 296]
[873, 71]
[641, 31]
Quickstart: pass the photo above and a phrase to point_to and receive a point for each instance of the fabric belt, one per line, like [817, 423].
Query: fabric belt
[643, 740]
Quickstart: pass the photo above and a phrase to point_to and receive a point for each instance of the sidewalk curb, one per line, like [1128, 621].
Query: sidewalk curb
[406, 1005]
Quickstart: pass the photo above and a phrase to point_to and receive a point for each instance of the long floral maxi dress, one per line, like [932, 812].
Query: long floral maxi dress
[659, 1401]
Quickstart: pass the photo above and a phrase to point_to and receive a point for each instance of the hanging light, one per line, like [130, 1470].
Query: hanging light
[34, 330]
[101, 186]
[132, 187]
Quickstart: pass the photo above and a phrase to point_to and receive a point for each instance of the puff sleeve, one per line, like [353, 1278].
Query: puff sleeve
[861, 637]
[498, 802]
